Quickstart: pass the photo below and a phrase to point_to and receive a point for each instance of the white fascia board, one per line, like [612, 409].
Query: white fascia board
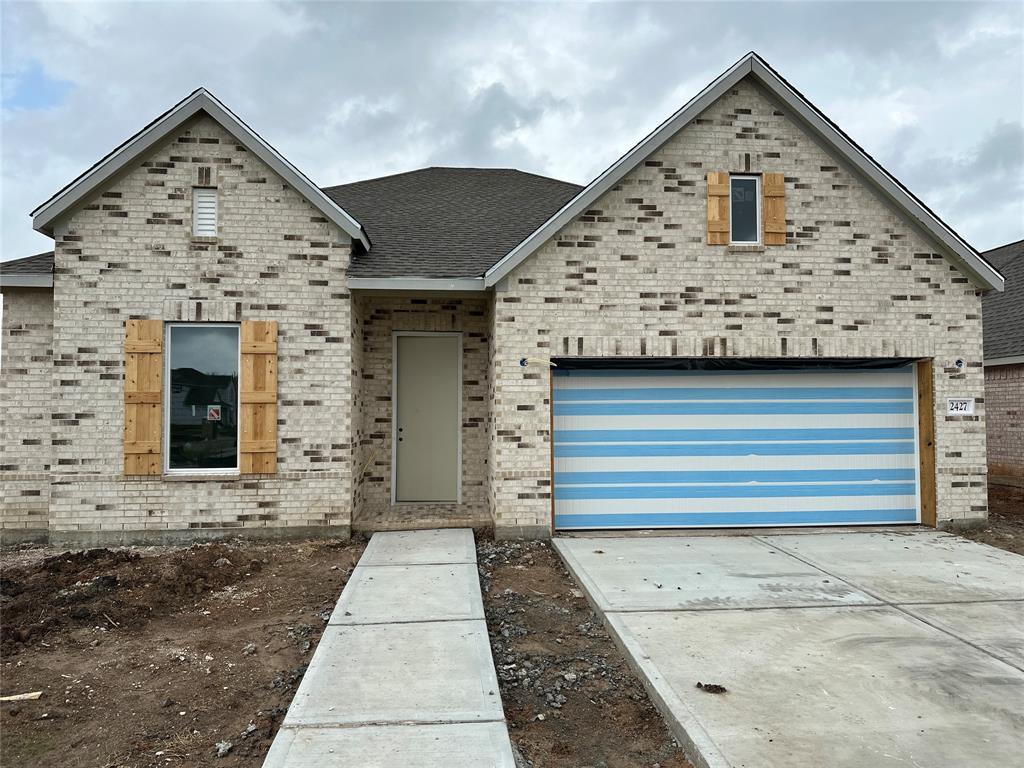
[751, 64]
[417, 283]
[25, 281]
[1011, 360]
[201, 100]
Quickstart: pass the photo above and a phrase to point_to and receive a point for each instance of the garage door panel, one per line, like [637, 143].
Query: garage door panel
[687, 448]
[747, 462]
[729, 420]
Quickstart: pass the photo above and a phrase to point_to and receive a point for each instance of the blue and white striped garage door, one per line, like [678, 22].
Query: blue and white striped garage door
[659, 449]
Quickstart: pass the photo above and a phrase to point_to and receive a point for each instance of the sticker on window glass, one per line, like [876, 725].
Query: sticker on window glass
[213, 413]
[960, 406]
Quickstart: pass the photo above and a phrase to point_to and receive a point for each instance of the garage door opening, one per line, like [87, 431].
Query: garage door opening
[739, 443]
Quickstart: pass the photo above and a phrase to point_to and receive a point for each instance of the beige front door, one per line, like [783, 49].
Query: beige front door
[427, 416]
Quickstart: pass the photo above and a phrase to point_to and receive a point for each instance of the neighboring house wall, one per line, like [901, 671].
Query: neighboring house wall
[378, 318]
[633, 277]
[1004, 404]
[25, 407]
[128, 252]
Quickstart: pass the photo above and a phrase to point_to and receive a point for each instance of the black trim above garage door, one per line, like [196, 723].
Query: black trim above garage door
[729, 364]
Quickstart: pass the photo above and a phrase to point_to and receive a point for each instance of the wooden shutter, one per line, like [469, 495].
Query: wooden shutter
[258, 447]
[774, 214]
[143, 396]
[718, 208]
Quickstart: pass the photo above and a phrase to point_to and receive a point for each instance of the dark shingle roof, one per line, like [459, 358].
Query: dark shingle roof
[1003, 313]
[447, 222]
[40, 264]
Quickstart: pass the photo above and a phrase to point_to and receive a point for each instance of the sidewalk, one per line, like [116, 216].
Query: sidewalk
[403, 675]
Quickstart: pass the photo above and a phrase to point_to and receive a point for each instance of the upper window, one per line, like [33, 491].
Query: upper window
[745, 210]
[202, 400]
[204, 212]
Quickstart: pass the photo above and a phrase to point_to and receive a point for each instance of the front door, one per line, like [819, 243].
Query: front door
[427, 416]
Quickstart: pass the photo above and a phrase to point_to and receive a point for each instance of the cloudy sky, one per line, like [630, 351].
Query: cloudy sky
[934, 90]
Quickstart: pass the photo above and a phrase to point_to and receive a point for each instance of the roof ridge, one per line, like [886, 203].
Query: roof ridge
[449, 168]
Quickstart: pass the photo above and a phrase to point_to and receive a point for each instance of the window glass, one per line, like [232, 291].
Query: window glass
[203, 397]
[744, 210]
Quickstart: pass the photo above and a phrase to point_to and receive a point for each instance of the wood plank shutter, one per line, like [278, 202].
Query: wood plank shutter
[143, 396]
[258, 447]
[718, 208]
[774, 204]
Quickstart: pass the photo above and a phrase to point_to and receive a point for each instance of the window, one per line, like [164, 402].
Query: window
[202, 397]
[204, 212]
[745, 210]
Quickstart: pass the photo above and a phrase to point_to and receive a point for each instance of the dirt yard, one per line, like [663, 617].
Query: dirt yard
[570, 699]
[154, 656]
[1005, 526]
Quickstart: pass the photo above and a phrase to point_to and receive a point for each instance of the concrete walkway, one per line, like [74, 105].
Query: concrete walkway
[403, 675]
[837, 649]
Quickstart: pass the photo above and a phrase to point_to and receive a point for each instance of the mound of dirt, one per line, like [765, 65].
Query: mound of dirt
[160, 656]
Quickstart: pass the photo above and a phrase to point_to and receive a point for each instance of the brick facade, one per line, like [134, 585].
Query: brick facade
[1004, 401]
[633, 277]
[129, 252]
[25, 380]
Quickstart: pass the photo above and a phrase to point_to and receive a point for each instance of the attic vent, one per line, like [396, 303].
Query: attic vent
[204, 212]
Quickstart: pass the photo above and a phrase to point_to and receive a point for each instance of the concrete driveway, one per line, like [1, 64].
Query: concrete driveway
[836, 649]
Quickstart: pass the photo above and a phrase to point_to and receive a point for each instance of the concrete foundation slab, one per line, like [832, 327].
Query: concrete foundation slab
[461, 745]
[424, 672]
[835, 686]
[697, 573]
[406, 593]
[448, 545]
[996, 627]
[912, 567]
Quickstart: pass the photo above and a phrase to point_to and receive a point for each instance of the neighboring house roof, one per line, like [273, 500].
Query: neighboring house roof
[200, 100]
[447, 222]
[1003, 313]
[804, 113]
[28, 272]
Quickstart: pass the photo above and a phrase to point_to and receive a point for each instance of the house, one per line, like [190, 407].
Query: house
[744, 321]
[1004, 367]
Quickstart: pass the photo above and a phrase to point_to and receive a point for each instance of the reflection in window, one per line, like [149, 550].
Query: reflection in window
[743, 209]
[202, 397]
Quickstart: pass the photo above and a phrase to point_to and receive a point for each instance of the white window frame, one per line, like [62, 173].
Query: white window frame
[758, 205]
[195, 212]
[394, 421]
[224, 471]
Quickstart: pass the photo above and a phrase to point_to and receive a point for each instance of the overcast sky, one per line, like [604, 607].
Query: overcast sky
[933, 90]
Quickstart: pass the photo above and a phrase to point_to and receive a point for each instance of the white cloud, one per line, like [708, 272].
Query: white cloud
[349, 91]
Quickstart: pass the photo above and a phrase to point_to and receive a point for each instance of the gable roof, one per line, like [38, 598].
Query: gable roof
[28, 272]
[1003, 313]
[131, 150]
[805, 114]
[446, 222]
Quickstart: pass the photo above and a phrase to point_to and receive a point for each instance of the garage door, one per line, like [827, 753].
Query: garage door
[660, 449]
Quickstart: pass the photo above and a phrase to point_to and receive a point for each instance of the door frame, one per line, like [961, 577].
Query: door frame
[394, 417]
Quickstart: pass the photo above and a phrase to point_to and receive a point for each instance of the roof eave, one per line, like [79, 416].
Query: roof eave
[417, 283]
[44, 216]
[26, 281]
[751, 64]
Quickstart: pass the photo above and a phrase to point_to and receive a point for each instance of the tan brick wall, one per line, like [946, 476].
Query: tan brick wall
[1004, 406]
[128, 252]
[633, 277]
[376, 321]
[25, 379]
